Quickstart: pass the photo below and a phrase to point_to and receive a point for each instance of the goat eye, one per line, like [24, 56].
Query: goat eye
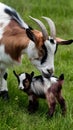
[52, 41]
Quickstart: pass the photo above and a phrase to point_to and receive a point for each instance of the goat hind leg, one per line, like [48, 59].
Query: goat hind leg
[62, 103]
[51, 103]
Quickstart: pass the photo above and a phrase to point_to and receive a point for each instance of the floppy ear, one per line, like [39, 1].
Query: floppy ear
[63, 42]
[30, 35]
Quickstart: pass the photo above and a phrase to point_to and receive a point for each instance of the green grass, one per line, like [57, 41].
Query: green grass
[14, 114]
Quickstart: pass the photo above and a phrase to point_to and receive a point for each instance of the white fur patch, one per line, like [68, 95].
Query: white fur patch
[5, 60]
[4, 85]
[21, 78]
[6, 17]
[37, 87]
[41, 88]
[36, 61]
[31, 51]
[3, 24]
[53, 80]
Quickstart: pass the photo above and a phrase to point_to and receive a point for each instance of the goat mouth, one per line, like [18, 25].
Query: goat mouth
[48, 73]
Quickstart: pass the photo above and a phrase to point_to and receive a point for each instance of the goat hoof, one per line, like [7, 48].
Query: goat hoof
[4, 95]
[64, 113]
[31, 111]
[49, 115]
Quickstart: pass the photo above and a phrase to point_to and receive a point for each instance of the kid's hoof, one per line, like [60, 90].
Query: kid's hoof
[4, 95]
[49, 115]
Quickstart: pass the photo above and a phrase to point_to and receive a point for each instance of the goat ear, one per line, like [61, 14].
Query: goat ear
[61, 77]
[15, 73]
[30, 35]
[63, 42]
[32, 74]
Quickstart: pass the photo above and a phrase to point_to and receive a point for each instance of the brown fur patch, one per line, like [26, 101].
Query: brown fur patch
[50, 97]
[15, 39]
[39, 38]
[26, 83]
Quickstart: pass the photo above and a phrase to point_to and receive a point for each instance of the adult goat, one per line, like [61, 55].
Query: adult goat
[17, 38]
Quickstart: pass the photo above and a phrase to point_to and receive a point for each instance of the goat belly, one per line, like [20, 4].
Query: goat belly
[5, 59]
[41, 96]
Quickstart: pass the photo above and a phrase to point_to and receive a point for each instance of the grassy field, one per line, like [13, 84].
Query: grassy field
[13, 113]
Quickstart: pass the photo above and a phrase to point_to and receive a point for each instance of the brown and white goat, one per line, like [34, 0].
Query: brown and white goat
[17, 38]
[42, 86]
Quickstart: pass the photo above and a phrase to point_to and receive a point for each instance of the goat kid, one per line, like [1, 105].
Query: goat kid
[42, 86]
[17, 38]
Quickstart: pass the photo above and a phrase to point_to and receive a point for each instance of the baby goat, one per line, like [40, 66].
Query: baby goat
[42, 86]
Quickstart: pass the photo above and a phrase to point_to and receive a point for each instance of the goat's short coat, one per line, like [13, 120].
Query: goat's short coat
[42, 86]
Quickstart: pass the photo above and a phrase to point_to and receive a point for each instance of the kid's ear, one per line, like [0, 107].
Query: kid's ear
[17, 76]
[30, 35]
[32, 74]
[15, 73]
[61, 77]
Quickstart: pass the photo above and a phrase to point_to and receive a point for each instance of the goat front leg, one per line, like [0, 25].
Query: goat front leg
[51, 103]
[33, 104]
[62, 103]
[3, 85]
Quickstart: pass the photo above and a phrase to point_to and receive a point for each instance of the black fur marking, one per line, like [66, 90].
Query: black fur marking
[47, 75]
[61, 77]
[30, 28]
[56, 48]
[5, 76]
[28, 77]
[39, 78]
[30, 35]
[52, 41]
[68, 42]
[17, 76]
[14, 16]
[12, 13]
[45, 55]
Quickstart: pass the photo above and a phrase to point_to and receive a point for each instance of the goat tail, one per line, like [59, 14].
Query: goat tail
[60, 82]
